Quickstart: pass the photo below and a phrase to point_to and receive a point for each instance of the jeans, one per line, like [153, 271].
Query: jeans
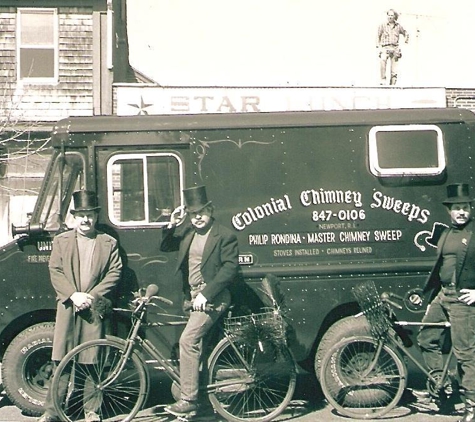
[387, 55]
[447, 307]
[191, 346]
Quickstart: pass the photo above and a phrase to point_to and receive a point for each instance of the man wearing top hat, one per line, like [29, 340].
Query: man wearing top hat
[452, 286]
[208, 260]
[85, 266]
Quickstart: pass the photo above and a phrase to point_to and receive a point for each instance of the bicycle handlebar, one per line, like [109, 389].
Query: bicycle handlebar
[150, 294]
[152, 289]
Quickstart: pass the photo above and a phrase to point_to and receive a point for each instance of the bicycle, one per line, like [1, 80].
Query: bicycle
[249, 378]
[364, 377]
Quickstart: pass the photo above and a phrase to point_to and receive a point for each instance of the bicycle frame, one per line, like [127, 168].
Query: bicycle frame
[245, 380]
[171, 370]
[392, 339]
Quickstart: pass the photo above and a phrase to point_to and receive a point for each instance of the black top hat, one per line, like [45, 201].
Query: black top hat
[85, 200]
[457, 193]
[195, 198]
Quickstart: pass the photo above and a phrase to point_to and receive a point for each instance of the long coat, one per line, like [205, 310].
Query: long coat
[465, 267]
[219, 264]
[74, 327]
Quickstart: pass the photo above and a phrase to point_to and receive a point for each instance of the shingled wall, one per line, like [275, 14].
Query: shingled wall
[73, 94]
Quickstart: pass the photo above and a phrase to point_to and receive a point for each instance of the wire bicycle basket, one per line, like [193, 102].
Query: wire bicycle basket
[268, 326]
[372, 308]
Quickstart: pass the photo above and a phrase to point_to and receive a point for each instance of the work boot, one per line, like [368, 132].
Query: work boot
[182, 408]
[422, 396]
[92, 417]
[469, 413]
[49, 418]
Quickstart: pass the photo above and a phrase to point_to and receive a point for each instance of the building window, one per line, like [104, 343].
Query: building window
[406, 150]
[37, 45]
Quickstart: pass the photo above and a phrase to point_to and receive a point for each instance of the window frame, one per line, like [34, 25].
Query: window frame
[143, 157]
[378, 171]
[54, 79]
[55, 181]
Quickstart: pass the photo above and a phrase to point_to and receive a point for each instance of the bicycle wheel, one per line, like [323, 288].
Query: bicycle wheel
[94, 377]
[359, 384]
[250, 383]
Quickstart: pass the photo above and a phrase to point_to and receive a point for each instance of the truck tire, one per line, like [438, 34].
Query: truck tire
[27, 368]
[347, 327]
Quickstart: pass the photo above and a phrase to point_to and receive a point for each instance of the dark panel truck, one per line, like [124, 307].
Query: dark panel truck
[320, 200]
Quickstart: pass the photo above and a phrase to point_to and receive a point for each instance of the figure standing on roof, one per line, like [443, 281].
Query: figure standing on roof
[388, 45]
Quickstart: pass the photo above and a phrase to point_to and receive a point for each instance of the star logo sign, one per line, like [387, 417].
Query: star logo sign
[141, 107]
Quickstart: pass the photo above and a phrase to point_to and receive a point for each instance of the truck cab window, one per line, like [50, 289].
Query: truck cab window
[406, 150]
[67, 173]
[143, 188]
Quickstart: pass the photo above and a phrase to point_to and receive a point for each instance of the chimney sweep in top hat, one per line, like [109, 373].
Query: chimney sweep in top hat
[452, 286]
[85, 267]
[208, 261]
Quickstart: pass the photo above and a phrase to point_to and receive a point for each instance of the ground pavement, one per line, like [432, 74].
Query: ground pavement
[299, 411]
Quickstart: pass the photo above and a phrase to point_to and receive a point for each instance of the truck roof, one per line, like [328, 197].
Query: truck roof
[260, 120]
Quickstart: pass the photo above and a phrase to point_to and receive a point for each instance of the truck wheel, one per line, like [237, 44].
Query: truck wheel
[347, 327]
[27, 368]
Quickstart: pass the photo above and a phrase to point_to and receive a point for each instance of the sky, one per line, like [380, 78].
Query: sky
[298, 42]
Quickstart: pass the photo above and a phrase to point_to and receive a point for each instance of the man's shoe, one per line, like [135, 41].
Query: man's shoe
[422, 395]
[469, 414]
[182, 408]
[92, 417]
[49, 418]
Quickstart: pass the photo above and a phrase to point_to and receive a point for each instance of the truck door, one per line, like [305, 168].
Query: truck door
[139, 191]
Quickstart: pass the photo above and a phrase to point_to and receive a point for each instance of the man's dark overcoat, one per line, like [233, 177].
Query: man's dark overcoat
[73, 327]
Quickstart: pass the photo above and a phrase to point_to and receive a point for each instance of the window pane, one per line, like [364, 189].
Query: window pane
[37, 27]
[132, 190]
[143, 188]
[163, 187]
[407, 149]
[36, 63]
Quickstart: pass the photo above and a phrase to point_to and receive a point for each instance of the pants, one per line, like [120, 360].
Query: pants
[387, 54]
[91, 400]
[447, 307]
[191, 346]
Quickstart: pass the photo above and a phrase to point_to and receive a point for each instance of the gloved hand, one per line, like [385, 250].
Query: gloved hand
[82, 300]
[199, 303]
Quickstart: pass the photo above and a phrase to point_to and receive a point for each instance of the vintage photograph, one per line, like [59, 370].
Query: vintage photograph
[246, 211]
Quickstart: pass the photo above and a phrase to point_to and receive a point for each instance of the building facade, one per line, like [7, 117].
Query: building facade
[59, 58]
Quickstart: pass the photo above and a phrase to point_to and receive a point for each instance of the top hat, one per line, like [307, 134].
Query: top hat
[85, 200]
[195, 198]
[457, 193]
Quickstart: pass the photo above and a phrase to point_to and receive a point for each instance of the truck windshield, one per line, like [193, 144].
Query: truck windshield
[67, 175]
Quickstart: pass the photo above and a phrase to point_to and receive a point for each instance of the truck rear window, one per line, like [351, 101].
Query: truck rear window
[406, 150]
[143, 188]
